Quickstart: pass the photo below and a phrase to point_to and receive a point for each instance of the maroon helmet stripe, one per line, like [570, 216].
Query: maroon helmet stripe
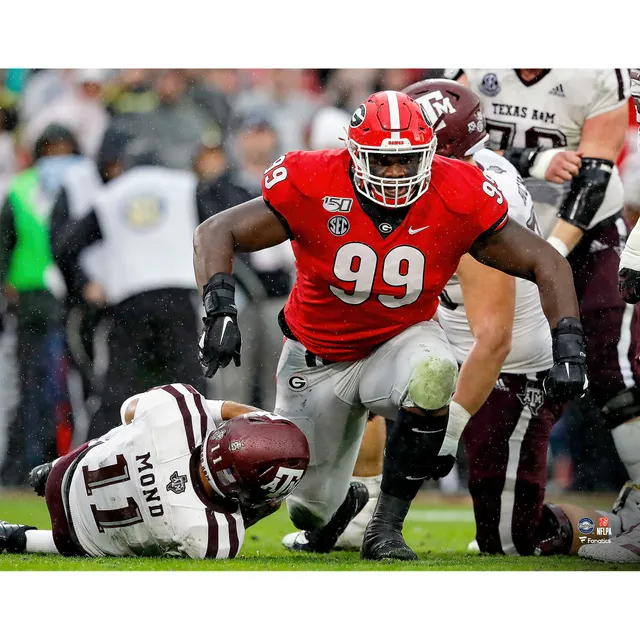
[184, 411]
[234, 540]
[212, 542]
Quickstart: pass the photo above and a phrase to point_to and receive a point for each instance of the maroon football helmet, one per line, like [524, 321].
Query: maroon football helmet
[455, 113]
[255, 458]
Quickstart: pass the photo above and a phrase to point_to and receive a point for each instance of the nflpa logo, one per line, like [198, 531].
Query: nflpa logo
[603, 527]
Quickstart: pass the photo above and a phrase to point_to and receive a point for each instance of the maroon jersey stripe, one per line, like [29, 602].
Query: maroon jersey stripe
[234, 539]
[212, 542]
[197, 398]
[184, 411]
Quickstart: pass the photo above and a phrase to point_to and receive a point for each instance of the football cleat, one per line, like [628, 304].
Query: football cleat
[383, 538]
[324, 539]
[627, 505]
[473, 547]
[624, 548]
[12, 537]
[351, 539]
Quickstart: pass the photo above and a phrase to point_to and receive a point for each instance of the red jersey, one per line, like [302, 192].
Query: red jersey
[357, 285]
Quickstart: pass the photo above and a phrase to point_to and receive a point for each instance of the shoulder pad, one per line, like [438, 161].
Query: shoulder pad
[457, 184]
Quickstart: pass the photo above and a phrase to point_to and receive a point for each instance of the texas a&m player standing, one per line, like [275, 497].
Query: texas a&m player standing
[377, 230]
[182, 476]
[501, 339]
[563, 129]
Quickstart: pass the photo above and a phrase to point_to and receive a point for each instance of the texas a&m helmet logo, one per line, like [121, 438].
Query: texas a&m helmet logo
[435, 106]
[358, 116]
[284, 483]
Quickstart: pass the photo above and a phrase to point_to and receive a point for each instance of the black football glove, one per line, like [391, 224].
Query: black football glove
[629, 285]
[220, 340]
[567, 378]
[38, 477]
[441, 466]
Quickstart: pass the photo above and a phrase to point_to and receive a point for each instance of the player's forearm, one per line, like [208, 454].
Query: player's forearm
[565, 237]
[479, 372]
[234, 409]
[554, 278]
[212, 249]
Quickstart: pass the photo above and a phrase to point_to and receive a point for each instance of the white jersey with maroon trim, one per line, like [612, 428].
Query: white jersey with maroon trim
[133, 493]
[549, 112]
[531, 339]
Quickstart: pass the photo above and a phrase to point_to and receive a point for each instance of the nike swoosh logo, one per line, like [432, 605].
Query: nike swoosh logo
[226, 322]
[426, 430]
[414, 231]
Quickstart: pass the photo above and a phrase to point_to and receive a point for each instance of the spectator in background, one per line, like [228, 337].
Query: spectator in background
[85, 302]
[145, 218]
[43, 86]
[26, 266]
[397, 79]
[8, 122]
[255, 146]
[177, 123]
[129, 93]
[347, 88]
[81, 110]
[288, 107]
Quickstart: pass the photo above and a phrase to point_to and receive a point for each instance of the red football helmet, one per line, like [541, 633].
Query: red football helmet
[455, 113]
[255, 458]
[387, 124]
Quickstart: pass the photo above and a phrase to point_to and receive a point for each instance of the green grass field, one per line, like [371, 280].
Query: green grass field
[437, 529]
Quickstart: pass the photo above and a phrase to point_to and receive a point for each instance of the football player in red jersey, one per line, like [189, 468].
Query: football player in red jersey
[377, 230]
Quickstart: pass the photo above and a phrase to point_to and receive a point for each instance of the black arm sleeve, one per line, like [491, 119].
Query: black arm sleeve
[69, 242]
[586, 193]
[8, 238]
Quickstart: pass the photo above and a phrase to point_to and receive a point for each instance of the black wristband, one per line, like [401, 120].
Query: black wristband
[521, 158]
[567, 341]
[219, 294]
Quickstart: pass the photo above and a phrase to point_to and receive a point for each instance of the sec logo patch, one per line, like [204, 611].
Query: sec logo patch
[297, 383]
[338, 225]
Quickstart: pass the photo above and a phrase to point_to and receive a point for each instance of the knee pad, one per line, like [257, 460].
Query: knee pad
[432, 383]
[622, 407]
